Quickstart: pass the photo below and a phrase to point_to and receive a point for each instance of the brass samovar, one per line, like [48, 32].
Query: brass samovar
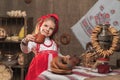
[105, 37]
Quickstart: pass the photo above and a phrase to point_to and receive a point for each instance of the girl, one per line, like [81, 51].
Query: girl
[44, 51]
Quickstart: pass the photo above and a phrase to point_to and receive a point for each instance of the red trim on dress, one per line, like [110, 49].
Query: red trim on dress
[48, 45]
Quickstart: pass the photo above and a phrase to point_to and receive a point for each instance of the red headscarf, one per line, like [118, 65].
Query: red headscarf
[41, 20]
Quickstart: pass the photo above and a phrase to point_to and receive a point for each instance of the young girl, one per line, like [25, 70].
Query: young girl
[44, 51]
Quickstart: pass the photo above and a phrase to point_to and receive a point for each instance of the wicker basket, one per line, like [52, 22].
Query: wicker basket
[6, 72]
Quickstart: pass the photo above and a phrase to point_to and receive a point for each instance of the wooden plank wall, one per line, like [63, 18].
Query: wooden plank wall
[69, 11]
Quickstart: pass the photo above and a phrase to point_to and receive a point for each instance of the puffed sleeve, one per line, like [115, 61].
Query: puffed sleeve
[26, 47]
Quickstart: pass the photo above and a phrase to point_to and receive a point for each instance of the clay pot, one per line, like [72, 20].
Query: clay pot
[21, 59]
[10, 57]
[39, 38]
[3, 34]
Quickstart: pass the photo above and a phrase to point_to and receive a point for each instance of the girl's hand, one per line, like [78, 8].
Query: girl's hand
[30, 37]
[67, 56]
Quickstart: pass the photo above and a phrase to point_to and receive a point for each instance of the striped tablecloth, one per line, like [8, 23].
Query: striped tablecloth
[79, 73]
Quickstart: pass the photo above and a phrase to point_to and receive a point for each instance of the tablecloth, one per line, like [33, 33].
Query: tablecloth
[79, 73]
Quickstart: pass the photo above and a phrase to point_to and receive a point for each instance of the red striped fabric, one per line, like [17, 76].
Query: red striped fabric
[79, 73]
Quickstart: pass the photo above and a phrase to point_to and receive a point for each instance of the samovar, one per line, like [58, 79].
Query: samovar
[105, 37]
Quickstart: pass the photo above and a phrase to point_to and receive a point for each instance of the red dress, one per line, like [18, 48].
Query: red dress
[39, 63]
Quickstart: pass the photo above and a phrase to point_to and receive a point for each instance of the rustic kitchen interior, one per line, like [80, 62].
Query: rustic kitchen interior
[18, 18]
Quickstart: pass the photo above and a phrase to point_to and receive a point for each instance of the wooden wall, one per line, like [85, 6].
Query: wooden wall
[69, 11]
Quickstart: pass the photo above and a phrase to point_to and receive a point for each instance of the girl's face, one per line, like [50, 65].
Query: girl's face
[47, 28]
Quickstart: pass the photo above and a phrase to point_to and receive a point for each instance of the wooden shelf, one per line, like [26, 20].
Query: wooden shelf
[12, 26]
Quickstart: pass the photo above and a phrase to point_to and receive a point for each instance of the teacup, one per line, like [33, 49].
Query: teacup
[39, 38]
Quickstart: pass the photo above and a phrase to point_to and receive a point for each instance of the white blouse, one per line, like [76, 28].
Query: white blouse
[47, 45]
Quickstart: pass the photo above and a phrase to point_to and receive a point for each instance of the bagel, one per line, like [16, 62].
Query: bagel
[65, 38]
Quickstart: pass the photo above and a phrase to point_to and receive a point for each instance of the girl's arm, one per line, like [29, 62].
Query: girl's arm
[27, 44]
[24, 46]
